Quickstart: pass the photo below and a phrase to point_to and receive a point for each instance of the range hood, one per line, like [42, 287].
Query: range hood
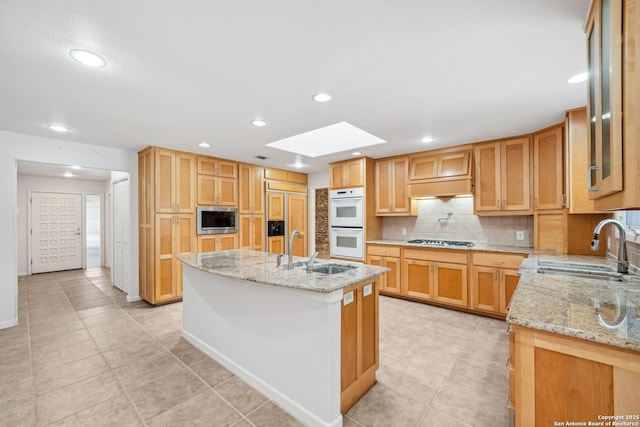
[440, 173]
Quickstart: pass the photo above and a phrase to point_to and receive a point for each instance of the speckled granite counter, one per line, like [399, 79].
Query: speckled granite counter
[261, 267]
[568, 305]
[475, 247]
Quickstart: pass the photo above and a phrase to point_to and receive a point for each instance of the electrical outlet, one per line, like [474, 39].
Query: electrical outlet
[404, 231]
[519, 235]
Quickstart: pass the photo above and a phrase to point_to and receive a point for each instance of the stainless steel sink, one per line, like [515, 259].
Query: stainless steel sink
[558, 265]
[602, 275]
[332, 268]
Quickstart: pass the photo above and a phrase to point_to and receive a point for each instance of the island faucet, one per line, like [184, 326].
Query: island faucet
[293, 234]
[623, 263]
[311, 261]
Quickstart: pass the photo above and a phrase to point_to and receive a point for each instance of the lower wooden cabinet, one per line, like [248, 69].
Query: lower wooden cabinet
[275, 244]
[251, 232]
[494, 278]
[389, 257]
[217, 242]
[359, 356]
[556, 378]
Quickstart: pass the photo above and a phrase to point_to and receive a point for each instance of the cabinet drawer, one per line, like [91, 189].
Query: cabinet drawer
[384, 250]
[453, 256]
[498, 259]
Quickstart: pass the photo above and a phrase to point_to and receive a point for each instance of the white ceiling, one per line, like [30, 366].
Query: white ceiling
[58, 171]
[184, 72]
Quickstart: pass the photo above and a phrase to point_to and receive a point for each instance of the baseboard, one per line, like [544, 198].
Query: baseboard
[23, 274]
[273, 394]
[9, 323]
[133, 299]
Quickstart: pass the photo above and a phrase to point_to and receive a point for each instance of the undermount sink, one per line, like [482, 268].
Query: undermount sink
[563, 265]
[332, 268]
[597, 275]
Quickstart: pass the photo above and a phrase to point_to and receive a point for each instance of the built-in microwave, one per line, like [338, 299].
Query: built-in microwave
[216, 220]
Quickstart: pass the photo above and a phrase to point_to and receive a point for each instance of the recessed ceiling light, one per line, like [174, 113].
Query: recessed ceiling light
[356, 153]
[204, 145]
[427, 139]
[88, 58]
[58, 128]
[259, 123]
[68, 174]
[76, 167]
[322, 97]
[579, 78]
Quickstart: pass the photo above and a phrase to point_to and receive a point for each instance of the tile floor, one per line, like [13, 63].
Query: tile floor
[83, 356]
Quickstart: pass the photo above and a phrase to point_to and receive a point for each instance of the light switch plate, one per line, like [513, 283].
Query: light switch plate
[347, 298]
[367, 290]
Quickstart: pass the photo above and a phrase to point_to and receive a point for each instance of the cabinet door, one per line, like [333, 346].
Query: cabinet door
[392, 279]
[417, 276]
[165, 274]
[516, 184]
[185, 242]
[508, 283]
[251, 194]
[484, 289]
[354, 173]
[297, 220]
[399, 185]
[424, 167]
[548, 179]
[164, 181]
[384, 183]
[227, 242]
[227, 168]
[336, 175]
[276, 206]
[207, 194]
[185, 183]
[454, 164]
[207, 165]
[450, 283]
[275, 245]
[251, 234]
[378, 261]
[257, 233]
[227, 191]
[487, 180]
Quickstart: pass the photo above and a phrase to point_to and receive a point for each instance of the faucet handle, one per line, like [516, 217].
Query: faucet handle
[595, 243]
[279, 260]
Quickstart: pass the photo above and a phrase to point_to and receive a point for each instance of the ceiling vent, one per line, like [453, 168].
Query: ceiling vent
[261, 157]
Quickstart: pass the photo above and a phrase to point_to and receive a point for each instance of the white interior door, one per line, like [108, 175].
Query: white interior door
[56, 232]
[121, 251]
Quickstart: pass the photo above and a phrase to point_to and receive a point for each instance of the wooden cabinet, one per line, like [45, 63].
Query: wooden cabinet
[349, 173]
[548, 169]
[251, 193]
[275, 245]
[555, 377]
[359, 356]
[297, 220]
[218, 191]
[614, 103]
[435, 275]
[174, 181]
[391, 188]
[389, 257]
[561, 232]
[444, 172]
[217, 167]
[251, 232]
[503, 177]
[285, 176]
[167, 227]
[217, 242]
[494, 278]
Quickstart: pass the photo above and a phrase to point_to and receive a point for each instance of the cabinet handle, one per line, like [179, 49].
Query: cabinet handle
[563, 200]
[535, 202]
[498, 262]
[508, 364]
[509, 403]
[495, 274]
[590, 181]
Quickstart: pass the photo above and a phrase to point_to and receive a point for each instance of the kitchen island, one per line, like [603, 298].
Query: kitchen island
[306, 340]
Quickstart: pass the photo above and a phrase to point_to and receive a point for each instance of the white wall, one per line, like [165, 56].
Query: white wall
[40, 183]
[14, 146]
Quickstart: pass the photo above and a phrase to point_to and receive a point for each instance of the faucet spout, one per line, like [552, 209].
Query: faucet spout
[294, 233]
[623, 262]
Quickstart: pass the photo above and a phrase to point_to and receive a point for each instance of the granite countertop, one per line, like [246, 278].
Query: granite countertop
[568, 305]
[476, 247]
[261, 267]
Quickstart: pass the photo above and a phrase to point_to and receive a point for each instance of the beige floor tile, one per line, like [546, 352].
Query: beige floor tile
[66, 401]
[104, 310]
[186, 352]
[117, 411]
[16, 386]
[55, 329]
[15, 362]
[240, 395]
[475, 404]
[271, 414]
[211, 371]
[434, 417]
[125, 337]
[476, 368]
[382, 407]
[15, 342]
[49, 377]
[134, 353]
[407, 385]
[206, 409]
[151, 369]
[163, 394]
[18, 412]
[349, 422]
[62, 354]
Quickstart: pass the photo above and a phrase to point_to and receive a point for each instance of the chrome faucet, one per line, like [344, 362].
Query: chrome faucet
[293, 234]
[311, 261]
[623, 263]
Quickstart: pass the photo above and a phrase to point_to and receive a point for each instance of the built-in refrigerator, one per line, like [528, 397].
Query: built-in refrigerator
[286, 212]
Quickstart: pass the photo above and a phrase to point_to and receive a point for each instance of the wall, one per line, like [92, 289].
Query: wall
[40, 183]
[14, 146]
[463, 224]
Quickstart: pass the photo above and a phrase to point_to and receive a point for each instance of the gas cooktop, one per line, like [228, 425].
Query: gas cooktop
[430, 242]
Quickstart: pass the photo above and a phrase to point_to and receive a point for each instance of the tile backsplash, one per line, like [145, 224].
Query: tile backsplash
[433, 222]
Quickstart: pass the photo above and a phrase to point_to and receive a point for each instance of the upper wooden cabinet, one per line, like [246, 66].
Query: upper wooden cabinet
[613, 30]
[503, 177]
[175, 182]
[217, 167]
[349, 173]
[251, 194]
[548, 169]
[440, 165]
[391, 187]
[286, 176]
[217, 190]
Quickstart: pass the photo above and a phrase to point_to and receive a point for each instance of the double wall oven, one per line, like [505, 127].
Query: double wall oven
[347, 221]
